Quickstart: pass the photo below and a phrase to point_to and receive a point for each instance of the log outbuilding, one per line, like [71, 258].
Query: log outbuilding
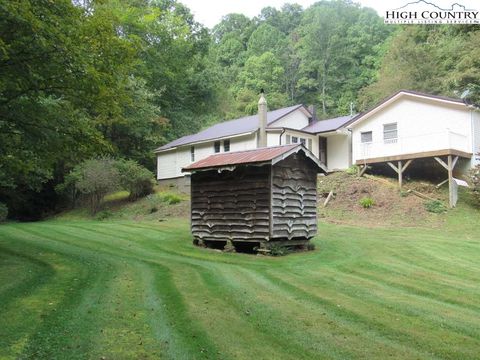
[250, 200]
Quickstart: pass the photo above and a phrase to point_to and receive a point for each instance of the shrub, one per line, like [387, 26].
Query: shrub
[93, 178]
[367, 202]
[135, 178]
[352, 170]
[278, 250]
[3, 212]
[310, 246]
[68, 188]
[103, 215]
[435, 206]
[474, 179]
[171, 199]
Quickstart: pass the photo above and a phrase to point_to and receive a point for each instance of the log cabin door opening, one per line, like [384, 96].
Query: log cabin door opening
[322, 150]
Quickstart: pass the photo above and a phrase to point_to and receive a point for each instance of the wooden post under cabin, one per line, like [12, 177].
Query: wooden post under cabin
[399, 170]
[449, 166]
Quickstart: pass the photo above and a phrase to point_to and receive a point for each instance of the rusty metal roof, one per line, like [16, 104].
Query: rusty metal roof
[262, 155]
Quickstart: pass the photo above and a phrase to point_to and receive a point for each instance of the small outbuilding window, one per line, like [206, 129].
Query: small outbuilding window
[226, 145]
[390, 133]
[294, 140]
[216, 146]
[310, 144]
[288, 139]
[192, 153]
[303, 141]
[366, 137]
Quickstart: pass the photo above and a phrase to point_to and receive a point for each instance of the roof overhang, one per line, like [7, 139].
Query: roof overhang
[282, 129]
[273, 161]
[295, 150]
[405, 94]
[207, 140]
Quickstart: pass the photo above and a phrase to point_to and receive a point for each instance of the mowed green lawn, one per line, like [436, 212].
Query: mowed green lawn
[135, 290]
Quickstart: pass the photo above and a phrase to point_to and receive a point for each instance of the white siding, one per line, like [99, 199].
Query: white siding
[170, 163]
[167, 164]
[422, 126]
[299, 135]
[475, 115]
[337, 152]
[295, 120]
[273, 138]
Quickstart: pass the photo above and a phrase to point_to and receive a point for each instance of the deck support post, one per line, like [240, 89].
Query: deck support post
[362, 170]
[399, 170]
[449, 166]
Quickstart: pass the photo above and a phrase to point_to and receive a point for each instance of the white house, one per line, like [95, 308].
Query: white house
[402, 128]
[410, 125]
[294, 124]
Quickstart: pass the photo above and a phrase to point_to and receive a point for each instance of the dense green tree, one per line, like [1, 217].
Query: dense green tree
[266, 38]
[434, 59]
[338, 46]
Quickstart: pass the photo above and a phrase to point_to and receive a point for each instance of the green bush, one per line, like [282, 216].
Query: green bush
[103, 215]
[367, 202]
[170, 198]
[278, 250]
[94, 179]
[3, 212]
[310, 246]
[435, 206]
[135, 178]
[352, 170]
[474, 180]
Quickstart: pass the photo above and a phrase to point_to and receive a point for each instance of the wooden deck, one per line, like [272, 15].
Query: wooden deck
[420, 155]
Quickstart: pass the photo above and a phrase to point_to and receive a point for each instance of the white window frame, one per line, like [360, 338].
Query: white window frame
[366, 132]
[225, 144]
[216, 146]
[390, 139]
[192, 153]
[288, 139]
[310, 144]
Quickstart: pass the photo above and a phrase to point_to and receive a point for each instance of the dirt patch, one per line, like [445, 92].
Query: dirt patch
[391, 207]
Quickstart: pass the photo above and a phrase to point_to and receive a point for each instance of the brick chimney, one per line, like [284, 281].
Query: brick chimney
[262, 120]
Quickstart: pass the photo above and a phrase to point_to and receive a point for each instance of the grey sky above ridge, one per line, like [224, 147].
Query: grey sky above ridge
[210, 12]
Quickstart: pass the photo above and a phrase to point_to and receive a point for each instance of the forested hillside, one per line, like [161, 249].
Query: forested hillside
[83, 78]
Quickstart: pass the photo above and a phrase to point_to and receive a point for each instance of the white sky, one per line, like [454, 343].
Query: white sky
[209, 12]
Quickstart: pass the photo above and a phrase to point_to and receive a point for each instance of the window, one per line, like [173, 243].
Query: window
[390, 133]
[294, 140]
[366, 137]
[303, 141]
[288, 139]
[226, 145]
[192, 153]
[310, 144]
[216, 146]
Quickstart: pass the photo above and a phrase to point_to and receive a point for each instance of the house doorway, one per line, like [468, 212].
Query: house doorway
[322, 150]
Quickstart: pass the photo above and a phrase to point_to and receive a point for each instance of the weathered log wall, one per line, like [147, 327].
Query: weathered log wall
[231, 205]
[294, 199]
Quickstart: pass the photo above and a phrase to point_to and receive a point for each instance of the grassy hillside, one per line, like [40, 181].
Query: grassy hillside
[122, 289]
[391, 207]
